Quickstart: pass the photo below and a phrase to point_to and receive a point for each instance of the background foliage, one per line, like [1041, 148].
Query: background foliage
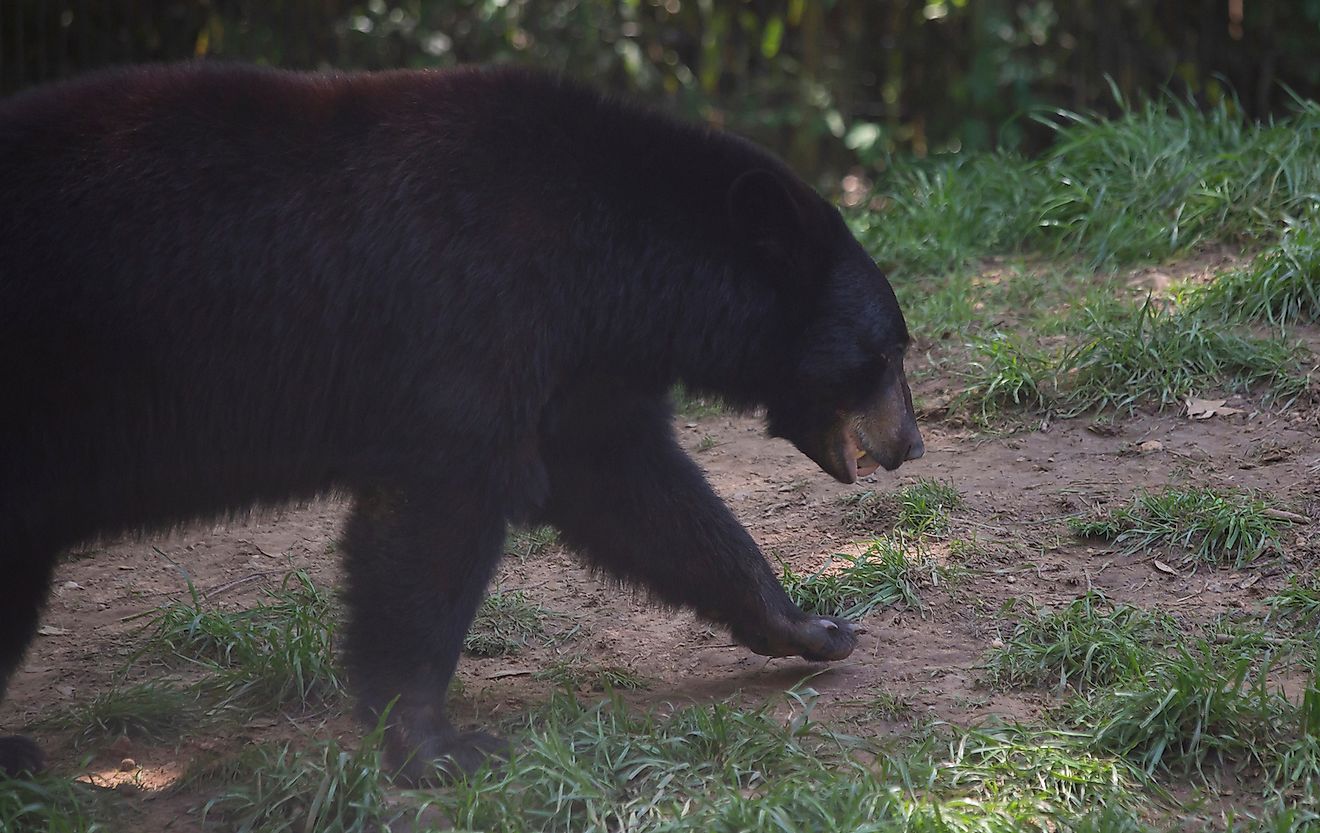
[827, 83]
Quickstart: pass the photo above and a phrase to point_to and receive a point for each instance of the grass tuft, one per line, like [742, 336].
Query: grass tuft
[526, 543]
[1126, 356]
[852, 586]
[1297, 604]
[1203, 704]
[571, 674]
[505, 622]
[274, 656]
[1089, 642]
[1005, 373]
[919, 509]
[923, 507]
[715, 767]
[51, 804]
[276, 789]
[1160, 179]
[150, 711]
[1215, 527]
[1282, 286]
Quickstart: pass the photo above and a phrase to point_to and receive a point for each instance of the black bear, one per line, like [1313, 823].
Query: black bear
[460, 297]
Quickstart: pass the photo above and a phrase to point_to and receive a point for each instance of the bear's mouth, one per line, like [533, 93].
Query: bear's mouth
[856, 459]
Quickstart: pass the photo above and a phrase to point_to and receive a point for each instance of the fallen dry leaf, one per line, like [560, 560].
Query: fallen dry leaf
[1164, 568]
[1207, 408]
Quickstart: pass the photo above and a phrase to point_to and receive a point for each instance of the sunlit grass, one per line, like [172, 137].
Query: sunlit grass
[1088, 642]
[851, 586]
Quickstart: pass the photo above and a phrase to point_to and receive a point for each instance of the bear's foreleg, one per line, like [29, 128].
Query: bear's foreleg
[626, 496]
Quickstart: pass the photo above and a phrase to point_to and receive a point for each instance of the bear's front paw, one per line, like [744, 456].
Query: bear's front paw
[815, 638]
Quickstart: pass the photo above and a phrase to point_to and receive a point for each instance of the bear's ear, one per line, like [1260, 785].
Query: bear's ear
[764, 214]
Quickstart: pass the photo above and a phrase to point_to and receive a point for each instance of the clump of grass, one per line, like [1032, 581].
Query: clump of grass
[273, 656]
[936, 216]
[1282, 286]
[1126, 356]
[715, 767]
[277, 789]
[1296, 762]
[150, 711]
[606, 768]
[1298, 603]
[1159, 179]
[924, 506]
[852, 586]
[51, 804]
[888, 706]
[1006, 373]
[921, 508]
[1200, 705]
[526, 543]
[869, 509]
[504, 624]
[1054, 768]
[574, 674]
[691, 405]
[1089, 642]
[1214, 527]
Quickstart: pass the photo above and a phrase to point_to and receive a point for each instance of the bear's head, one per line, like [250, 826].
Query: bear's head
[843, 398]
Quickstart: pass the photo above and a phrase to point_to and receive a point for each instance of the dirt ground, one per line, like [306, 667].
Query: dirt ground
[1018, 489]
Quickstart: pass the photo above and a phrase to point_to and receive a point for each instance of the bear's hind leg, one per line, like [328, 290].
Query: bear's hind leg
[24, 582]
[418, 560]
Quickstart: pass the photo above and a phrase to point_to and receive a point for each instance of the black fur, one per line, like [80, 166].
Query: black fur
[460, 297]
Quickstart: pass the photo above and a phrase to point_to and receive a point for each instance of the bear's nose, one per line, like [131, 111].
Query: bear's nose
[916, 449]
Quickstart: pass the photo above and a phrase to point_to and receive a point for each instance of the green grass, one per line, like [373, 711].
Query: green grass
[154, 712]
[1281, 287]
[1204, 704]
[276, 655]
[690, 405]
[52, 804]
[575, 674]
[921, 508]
[275, 788]
[936, 217]
[851, 586]
[1087, 643]
[1125, 356]
[1003, 373]
[505, 623]
[1156, 181]
[1049, 767]
[1211, 526]
[1298, 604]
[715, 767]
[528, 543]
[1119, 356]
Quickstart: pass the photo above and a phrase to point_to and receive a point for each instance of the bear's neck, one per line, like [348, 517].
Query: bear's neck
[669, 308]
